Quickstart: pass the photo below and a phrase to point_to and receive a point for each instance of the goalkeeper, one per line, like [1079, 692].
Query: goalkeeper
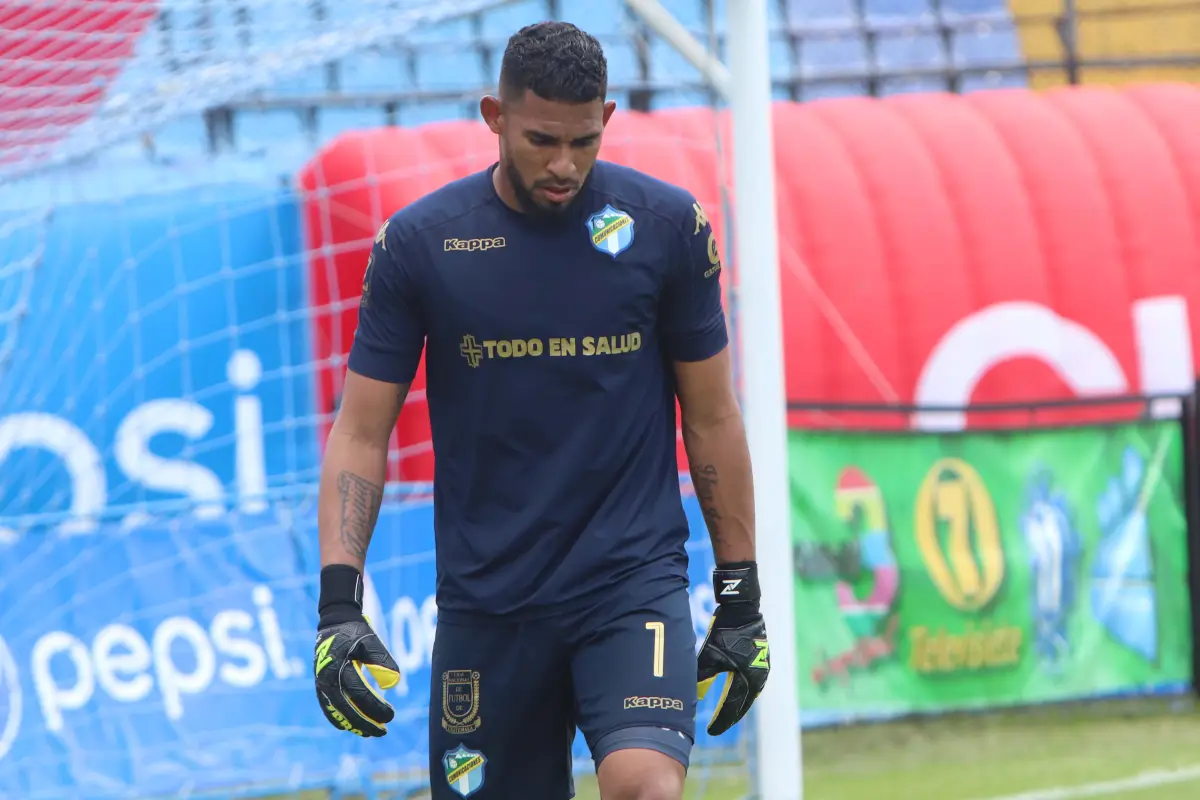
[563, 304]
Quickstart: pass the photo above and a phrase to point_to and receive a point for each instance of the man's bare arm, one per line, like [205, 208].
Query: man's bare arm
[355, 468]
[718, 456]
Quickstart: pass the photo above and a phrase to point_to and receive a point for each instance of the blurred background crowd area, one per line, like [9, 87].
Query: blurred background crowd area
[373, 69]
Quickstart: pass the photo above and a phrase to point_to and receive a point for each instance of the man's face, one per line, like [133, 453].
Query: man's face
[548, 148]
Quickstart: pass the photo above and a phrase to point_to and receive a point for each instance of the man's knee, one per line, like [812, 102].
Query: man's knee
[642, 763]
[636, 774]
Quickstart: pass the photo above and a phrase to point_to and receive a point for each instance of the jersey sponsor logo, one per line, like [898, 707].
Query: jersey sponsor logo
[476, 351]
[471, 350]
[610, 230]
[667, 703]
[473, 245]
[460, 701]
[464, 770]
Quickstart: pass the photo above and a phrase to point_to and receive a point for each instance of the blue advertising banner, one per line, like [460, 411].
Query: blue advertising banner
[153, 349]
[175, 655]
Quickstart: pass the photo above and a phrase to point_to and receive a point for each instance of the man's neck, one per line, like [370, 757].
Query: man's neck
[504, 188]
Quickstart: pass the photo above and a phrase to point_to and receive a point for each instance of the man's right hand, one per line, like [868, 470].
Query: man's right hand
[346, 644]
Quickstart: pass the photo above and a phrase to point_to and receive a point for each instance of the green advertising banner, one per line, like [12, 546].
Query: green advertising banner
[973, 569]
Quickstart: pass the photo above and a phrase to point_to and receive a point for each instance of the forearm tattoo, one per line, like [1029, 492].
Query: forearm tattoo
[360, 510]
[704, 480]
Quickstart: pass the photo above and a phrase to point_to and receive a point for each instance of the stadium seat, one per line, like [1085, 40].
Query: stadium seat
[184, 137]
[451, 68]
[890, 86]
[994, 80]
[501, 23]
[802, 12]
[893, 12]
[679, 98]
[598, 17]
[840, 54]
[334, 121]
[453, 31]
[668, 68]
[825, 90]
[260, 130]
[623, 68]
[309, 83]
[419, 113]
[986, 45]
[898, 50]
[373, 71]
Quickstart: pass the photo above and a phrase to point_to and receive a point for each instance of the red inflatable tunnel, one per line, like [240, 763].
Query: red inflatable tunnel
[935, 249]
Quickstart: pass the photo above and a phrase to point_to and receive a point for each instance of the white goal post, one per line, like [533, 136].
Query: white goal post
[745, 83]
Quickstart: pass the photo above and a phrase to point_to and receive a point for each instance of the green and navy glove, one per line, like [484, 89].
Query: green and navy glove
[346, 645]
[736, 644]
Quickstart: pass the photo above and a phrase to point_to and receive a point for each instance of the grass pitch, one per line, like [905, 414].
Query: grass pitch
[985, 756]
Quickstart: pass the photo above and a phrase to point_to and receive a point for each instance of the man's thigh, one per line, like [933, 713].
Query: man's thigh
[635, 679]
[500, 713]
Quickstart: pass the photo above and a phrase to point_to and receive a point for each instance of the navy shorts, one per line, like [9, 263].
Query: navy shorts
[506, 697]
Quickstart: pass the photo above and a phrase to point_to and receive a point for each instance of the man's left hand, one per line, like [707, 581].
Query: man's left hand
[736, 644]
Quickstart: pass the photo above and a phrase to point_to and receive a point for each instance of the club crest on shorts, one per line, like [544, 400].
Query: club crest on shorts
[460, 701]
[611, 230]
[464, 770]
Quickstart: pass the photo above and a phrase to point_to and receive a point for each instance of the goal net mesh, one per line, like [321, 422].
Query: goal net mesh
[188, 192]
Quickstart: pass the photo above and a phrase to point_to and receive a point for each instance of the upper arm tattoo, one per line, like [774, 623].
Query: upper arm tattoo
[360, 510]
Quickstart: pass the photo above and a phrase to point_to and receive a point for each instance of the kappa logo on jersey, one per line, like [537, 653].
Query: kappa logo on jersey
[611, 230]
[473, 245]
[464, 770]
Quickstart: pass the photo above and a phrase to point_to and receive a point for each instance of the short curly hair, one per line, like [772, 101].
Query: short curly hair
[556, 61]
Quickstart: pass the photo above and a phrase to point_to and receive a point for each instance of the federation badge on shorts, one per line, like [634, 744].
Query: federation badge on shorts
[611, 230]
[464, 770]
[460, 701]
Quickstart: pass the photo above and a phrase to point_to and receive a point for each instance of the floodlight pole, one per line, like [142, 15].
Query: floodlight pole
[746, 86]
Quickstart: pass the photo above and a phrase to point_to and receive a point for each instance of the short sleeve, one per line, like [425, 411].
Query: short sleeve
[692, 318]
[391, 328]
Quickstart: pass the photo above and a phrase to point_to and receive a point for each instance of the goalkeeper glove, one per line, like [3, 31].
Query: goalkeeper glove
[345, 645]
[736, 644]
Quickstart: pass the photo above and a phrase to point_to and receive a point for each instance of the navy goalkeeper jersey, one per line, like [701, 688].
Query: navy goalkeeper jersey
[549, 351]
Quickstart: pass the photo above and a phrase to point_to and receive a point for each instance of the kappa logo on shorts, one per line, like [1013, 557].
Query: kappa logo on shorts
[464, 769]
[460, 701]
[668, 703]
[610, 230]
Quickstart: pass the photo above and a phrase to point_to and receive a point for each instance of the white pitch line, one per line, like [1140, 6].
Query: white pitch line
[1143, 780]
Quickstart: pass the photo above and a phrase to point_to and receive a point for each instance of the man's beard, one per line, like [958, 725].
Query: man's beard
[551, 214]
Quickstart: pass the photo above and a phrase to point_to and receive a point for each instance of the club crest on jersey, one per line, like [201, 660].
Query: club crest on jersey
[464, 769]
[611, 230]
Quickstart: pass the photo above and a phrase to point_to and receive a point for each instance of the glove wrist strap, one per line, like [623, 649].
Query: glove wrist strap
[341, 591]
[737, 583]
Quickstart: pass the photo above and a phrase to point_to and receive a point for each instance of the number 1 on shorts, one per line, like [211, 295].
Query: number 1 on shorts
[659, 630]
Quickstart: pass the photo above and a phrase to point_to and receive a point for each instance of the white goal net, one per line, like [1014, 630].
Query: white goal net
[188, 190]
